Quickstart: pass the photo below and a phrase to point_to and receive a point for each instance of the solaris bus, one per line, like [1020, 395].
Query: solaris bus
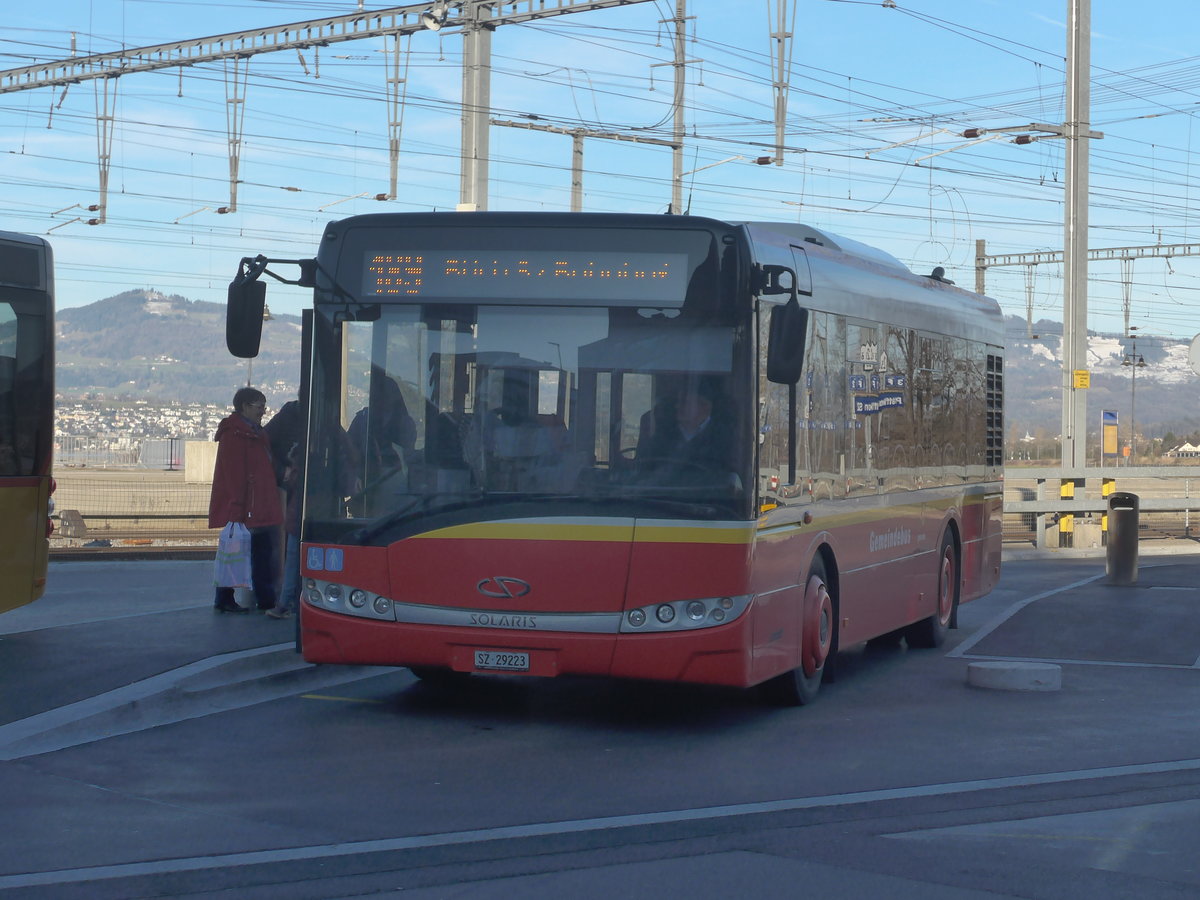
[649, 447]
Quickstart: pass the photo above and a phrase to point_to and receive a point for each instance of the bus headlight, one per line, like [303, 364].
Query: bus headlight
[358, 601]
[685, 615]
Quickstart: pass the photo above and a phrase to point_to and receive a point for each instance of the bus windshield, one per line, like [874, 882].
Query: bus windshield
[26, 402]
[468, 412]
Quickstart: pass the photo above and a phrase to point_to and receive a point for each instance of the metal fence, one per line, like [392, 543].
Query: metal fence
[99, 451]
[1067, 507]
[114, 507]
[159, 507]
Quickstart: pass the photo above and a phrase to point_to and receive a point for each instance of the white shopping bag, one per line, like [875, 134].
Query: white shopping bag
[232, 564]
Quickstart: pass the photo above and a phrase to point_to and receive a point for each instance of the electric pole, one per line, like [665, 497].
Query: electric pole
[1075, 235]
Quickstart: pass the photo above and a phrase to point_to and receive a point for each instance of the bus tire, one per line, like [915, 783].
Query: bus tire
[931, 632]
[818, 641]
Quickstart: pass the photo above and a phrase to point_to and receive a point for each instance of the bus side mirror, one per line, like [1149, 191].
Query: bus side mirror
[776, 280]
[244, 310]
[785, 342]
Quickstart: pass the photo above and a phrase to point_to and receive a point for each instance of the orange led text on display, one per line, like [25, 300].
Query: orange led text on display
[408, 273]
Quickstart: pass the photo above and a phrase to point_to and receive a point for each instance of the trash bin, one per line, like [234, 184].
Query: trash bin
[1122, 561]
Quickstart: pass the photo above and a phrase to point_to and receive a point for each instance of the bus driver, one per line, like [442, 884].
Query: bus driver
[696, 438]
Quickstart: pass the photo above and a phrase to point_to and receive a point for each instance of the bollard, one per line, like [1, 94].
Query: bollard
[1122, 560]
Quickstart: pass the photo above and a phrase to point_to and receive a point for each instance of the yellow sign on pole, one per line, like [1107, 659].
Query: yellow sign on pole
[1108, 432]
[1083, 379]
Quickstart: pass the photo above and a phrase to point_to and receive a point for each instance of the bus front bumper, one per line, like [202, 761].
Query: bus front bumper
[718, 655]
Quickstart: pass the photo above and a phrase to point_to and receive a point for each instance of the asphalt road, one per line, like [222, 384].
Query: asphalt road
[149, 748]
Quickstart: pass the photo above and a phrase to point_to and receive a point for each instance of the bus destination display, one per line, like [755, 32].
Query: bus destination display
[529, 274]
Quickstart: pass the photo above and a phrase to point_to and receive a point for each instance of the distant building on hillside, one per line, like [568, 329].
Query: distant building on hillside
[1183, 451]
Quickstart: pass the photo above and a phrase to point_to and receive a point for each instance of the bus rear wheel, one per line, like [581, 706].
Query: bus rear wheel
[931, 632]
[818, 641]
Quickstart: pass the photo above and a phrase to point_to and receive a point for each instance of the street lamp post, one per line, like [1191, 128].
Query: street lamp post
[1134, 362]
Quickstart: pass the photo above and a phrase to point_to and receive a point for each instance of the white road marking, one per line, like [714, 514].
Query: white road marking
[577, 826]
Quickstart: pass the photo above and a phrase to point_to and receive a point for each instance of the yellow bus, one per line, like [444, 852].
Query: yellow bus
[26, 416]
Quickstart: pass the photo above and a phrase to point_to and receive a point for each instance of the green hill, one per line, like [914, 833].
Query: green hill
[144, 345]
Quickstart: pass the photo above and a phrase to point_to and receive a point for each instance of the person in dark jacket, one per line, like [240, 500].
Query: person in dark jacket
[244, 490]
[287, 432]
[383, 431]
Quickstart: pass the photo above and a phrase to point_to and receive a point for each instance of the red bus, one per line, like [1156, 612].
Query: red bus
[650, 447]
[26, 416]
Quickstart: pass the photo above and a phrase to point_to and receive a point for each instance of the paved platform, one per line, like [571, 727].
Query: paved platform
[123, 645]
[112, 635]
[1155, 622]
[902, 780]
[103, 625]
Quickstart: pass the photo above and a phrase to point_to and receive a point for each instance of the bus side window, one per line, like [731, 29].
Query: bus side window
[897, 431]
[8, 417]
[8, 391]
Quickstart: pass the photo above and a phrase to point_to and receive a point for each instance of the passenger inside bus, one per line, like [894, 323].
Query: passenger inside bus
[382, 433]
[515, 447]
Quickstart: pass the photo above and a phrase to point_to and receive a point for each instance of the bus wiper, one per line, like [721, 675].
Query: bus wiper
[684, 507]
[419, 504]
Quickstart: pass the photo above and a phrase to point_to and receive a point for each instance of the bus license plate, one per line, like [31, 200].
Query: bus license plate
[505, 660]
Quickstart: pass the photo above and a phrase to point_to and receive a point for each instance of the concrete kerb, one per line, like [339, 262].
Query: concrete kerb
[1007, 675]
[217, 684]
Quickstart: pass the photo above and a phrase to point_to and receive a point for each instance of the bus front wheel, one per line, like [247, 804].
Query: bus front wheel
[818, 640]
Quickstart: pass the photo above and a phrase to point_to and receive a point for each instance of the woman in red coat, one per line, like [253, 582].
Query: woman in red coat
[244, 490]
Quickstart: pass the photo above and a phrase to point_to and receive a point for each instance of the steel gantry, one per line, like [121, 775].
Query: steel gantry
[781, 37]
[1126, 255]
[476, 19]
[577, 135]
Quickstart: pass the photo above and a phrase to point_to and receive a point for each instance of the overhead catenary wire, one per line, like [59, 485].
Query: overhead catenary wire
[731, 115]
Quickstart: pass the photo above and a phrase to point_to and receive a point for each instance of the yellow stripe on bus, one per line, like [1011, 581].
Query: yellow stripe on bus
[652, 534]
[576, 531]
[665, 531]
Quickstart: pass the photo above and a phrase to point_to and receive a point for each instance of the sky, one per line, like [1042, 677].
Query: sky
[879, 94]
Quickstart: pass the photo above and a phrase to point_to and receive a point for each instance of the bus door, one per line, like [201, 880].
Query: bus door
[26, 398]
